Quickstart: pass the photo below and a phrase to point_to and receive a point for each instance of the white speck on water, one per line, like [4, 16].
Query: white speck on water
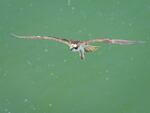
[51, 65]
[100, 14]
[45, 50]
[51, 73]
[48, 65]
[107, 78]
[106, 71]
[5, 74]
[26, 100]
[56, 77]
[118, 2]
[130, 24]
[6, 110]
[131, 58]
[21, 9]
[28, 62]
[34, 108]
[65, 60]
[123, 22]
[73, 8]
[50, 105]
[68, 2]
[30, 5]
[33, 82]
[61, 9]
[79, 31]
[38, 58]
[90, 35]
[7, 101]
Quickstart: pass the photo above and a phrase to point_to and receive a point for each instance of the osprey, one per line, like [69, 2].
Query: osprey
[81, 46]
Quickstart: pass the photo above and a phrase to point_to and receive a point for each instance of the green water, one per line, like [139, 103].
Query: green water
[45, 77]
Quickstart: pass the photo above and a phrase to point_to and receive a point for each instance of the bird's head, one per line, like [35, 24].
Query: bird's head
[73, 47]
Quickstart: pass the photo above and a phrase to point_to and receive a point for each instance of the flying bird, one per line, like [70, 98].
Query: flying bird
[81, 47]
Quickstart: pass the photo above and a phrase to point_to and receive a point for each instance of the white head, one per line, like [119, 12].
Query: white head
[74, 47]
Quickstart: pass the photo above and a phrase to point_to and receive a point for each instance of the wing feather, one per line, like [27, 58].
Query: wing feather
[113, 41]
[64, 41]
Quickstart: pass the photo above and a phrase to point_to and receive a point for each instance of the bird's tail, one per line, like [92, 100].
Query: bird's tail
[90, 48]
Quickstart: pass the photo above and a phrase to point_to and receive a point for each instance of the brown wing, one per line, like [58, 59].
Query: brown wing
[113, 41]
[64, 41]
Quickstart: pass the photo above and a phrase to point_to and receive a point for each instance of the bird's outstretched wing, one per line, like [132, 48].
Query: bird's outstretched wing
[113, 41]
[61, 40]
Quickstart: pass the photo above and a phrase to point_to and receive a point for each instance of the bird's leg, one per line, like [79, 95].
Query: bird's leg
[81, 53]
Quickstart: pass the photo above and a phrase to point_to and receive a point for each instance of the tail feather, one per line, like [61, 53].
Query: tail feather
[90, 48]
